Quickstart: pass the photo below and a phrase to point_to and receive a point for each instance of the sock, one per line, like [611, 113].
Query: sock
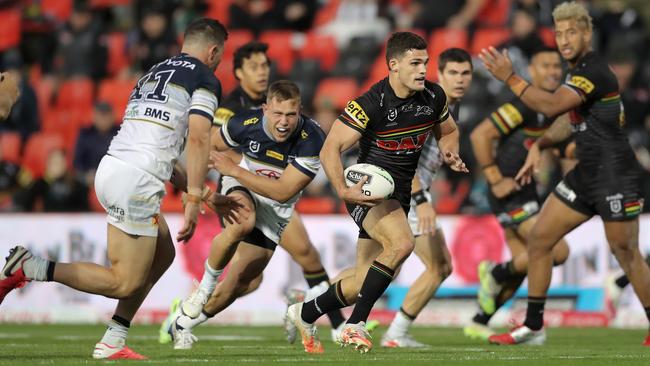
[482, 317]
[315, 278]
[331, 299]
[210, 277]
[377, 280]
[116, 332]
[400, 324]
[319, 281]
[535, 313]
[647, 313]
[36, 268]
[504, 271]
[185, 322]
[622, 281]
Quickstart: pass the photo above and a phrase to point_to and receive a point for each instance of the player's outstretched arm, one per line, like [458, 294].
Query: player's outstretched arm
[198, 148]
[282, 189]
[559, 131]
[217, 142]
[483, 138]
[550, 104]
[448, 140]
[339, 139]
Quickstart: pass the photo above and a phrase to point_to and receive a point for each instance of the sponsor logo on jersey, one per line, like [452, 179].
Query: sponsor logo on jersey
[357, 113]
[178, 63]
[274, 155]
[563, 190]
[423, 110]
[404, 144]
[223, 115]
[157, 113]
[392, 114]
[251, 121]
[254, 146]
[355, 176]
[581, 83]
[303, 134]
[116, 212]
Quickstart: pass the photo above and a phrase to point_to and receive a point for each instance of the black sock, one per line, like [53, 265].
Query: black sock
[50, 270]
[316, 278]
[622, 281]
[377, 280]
[331, 299]
[647, 313]
[504, 271]
[121, 321]
[535, 313]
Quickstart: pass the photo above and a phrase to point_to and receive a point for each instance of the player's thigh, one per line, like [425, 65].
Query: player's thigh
[248, 264]
[622, 235]
[246, 224]
[165, 251]
[387, 224]
[130, 256]
[432, 250]
[554, 221]
[295, 240]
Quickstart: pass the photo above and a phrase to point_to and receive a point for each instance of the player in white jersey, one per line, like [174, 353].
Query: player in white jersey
[455, 77]
[173, 102]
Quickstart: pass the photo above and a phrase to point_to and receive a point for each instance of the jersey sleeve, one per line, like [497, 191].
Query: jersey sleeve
[508, 117]
[586, 81]
[205, 98]
[307, 158]
[358, 113]
[440, 103]
[222, 115]
[233, 131]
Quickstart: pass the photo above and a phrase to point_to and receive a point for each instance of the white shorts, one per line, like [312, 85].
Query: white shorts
[130, 196]
[413, 216]
[271, 217]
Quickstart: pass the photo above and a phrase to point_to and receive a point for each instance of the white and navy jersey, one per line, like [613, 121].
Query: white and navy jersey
[155, 125]
[430, 158]
[264, 156]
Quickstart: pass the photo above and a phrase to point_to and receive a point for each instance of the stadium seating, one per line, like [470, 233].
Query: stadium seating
[336, 91]
[172, 201]
[37, 150]
[66, 123]
[548, 36]
[218, 9]
[440, 40]
[10, 145]
[59, 9]
[320, 47]
[226, 76]
[281, 49]
[10, 30]
[316, 205]
[116, 92]
[236, 39]
[486, 37]
[494, 13]
[118, 59]
[327, 13]
[76, 94]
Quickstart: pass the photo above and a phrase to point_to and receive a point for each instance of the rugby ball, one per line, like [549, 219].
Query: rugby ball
[378, 184]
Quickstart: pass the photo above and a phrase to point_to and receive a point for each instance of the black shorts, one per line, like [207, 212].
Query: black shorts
[359, 212]
[516, 208]
[614, 197]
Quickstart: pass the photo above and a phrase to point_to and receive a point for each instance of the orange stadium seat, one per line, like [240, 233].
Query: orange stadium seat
[108, 3]
[547, 35]
[118, 58]
[60, 9]
[116, 92]
[441, 40]
[76, 93]
[337, 91]
[218, 9]
[320, 47]
[316, 205]
[494, 13]
[37, 150]
[236, 39]
[10, 29]
[326, 13]
[486, 37]
[280, 49]
[10, 144]
[225, 75]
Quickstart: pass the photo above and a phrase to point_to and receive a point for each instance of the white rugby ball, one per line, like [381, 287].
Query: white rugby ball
[378, 184]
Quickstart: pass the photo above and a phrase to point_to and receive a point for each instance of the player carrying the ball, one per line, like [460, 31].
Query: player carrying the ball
[391, 121]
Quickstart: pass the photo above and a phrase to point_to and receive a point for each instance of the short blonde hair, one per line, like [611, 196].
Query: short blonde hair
[572, 10]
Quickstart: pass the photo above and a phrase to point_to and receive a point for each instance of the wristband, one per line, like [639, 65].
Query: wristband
[517, 84]
[193, 198]
[419, 197]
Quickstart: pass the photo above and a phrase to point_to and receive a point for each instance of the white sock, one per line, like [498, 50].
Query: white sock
[317, 290]
[188, 323]
[115, 334]
[210, 277]
[35, 268]
[400, 325]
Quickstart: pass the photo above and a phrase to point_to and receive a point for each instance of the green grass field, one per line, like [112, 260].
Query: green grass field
[72, 345]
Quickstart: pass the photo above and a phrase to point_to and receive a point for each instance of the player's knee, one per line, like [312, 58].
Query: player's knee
[127, 289]
[560, 253]
[623, 250]
[403, 249]
[445, 271]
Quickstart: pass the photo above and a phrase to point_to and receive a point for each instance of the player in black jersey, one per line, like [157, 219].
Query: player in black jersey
[606, 180]
[391, 121]
[514, 126]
